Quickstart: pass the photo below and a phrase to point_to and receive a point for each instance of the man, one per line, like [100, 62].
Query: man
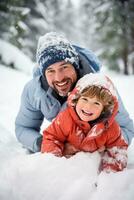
[60, 66]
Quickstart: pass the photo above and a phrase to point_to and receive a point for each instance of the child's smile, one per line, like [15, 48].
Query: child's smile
[88, 109]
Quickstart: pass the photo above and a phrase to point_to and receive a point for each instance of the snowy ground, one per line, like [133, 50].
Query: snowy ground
[38, 176]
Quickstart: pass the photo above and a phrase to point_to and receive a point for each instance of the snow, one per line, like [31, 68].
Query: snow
[50, 39]
[54, 39]
[25, 176]
[10, 55]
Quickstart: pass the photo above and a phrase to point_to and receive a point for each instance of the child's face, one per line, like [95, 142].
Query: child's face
[88, 109]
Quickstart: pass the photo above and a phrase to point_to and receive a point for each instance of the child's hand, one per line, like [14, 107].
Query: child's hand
[69, 150]
[101, 149]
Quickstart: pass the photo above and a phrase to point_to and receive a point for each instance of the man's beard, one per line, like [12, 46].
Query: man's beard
[64, 94]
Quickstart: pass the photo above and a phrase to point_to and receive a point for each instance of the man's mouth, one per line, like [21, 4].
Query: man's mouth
[62, 87]
[61, 84]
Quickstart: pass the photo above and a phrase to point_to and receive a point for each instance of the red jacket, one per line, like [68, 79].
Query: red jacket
[67, 127]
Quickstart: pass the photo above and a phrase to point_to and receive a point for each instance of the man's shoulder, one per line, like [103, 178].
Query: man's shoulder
[32, 85]
[34, 82]
[33, 89]
[89, 62]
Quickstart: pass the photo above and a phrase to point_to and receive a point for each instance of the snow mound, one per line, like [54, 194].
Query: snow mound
[44, 176]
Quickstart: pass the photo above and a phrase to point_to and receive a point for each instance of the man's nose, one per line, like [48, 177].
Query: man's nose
[59, 76]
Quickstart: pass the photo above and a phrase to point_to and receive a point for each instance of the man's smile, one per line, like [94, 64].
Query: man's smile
[61, 84]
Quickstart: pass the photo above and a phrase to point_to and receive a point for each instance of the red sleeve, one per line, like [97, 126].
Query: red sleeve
[114, 159]
[53, 137]
[115, 155]
[115, 136]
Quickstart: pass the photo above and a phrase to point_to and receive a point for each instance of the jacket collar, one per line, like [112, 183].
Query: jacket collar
[82, 124]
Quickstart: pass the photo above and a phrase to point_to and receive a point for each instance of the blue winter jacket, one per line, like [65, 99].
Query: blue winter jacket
[38, 103]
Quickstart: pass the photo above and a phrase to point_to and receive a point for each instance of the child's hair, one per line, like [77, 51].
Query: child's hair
[102, 95]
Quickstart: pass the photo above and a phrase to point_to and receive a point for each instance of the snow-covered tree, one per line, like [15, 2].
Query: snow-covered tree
[86, 17]
[12, 15]
[45, 16]
[115, 22]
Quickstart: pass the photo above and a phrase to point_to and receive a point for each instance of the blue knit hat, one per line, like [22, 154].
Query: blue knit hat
[53, 48]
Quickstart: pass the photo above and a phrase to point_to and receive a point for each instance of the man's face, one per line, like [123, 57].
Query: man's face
[61, 76]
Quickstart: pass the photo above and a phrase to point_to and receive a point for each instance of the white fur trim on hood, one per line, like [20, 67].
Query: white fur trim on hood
[97, 79]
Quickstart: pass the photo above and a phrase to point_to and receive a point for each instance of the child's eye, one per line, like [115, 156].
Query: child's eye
[97, 103]
[84, 99]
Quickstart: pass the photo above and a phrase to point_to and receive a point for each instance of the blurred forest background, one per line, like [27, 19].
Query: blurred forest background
[104, 26]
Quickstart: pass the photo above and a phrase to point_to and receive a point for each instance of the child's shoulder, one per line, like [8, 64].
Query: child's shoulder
[113, 132]
[64, 116]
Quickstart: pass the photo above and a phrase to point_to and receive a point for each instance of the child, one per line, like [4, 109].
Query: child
[88, 124]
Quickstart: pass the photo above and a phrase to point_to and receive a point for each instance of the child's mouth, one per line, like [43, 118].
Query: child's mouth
[87, 113]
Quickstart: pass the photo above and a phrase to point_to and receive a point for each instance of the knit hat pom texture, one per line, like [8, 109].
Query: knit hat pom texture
[52, 48]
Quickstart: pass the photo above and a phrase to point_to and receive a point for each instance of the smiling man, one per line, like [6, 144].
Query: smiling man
[61, 76]
[60, 65]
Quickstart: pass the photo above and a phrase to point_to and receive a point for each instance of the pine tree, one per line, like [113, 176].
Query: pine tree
[12, 15]
[115, 26]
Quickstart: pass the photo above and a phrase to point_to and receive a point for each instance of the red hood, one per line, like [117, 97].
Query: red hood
[107, 84]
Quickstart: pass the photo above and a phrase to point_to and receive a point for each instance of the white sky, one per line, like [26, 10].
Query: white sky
[38, 176]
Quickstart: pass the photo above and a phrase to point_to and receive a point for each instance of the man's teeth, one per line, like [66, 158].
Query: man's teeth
[61, 84]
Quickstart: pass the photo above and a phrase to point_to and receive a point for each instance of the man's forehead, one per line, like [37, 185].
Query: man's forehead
[58, 64]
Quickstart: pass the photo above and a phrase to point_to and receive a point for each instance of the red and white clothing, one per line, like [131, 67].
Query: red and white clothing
[87, 137]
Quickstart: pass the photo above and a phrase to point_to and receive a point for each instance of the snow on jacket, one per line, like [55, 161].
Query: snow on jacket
[67, 127]
[38, 103]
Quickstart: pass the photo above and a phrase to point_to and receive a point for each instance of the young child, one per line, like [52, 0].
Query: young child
[88, 124]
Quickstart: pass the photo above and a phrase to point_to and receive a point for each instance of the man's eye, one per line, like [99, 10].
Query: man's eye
[65, 67]
[50, 71]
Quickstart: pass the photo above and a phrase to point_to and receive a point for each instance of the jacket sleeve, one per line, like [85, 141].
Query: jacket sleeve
[125, 122]
[114, 159]
[53, 137]
[115, 156]
[28, 122]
